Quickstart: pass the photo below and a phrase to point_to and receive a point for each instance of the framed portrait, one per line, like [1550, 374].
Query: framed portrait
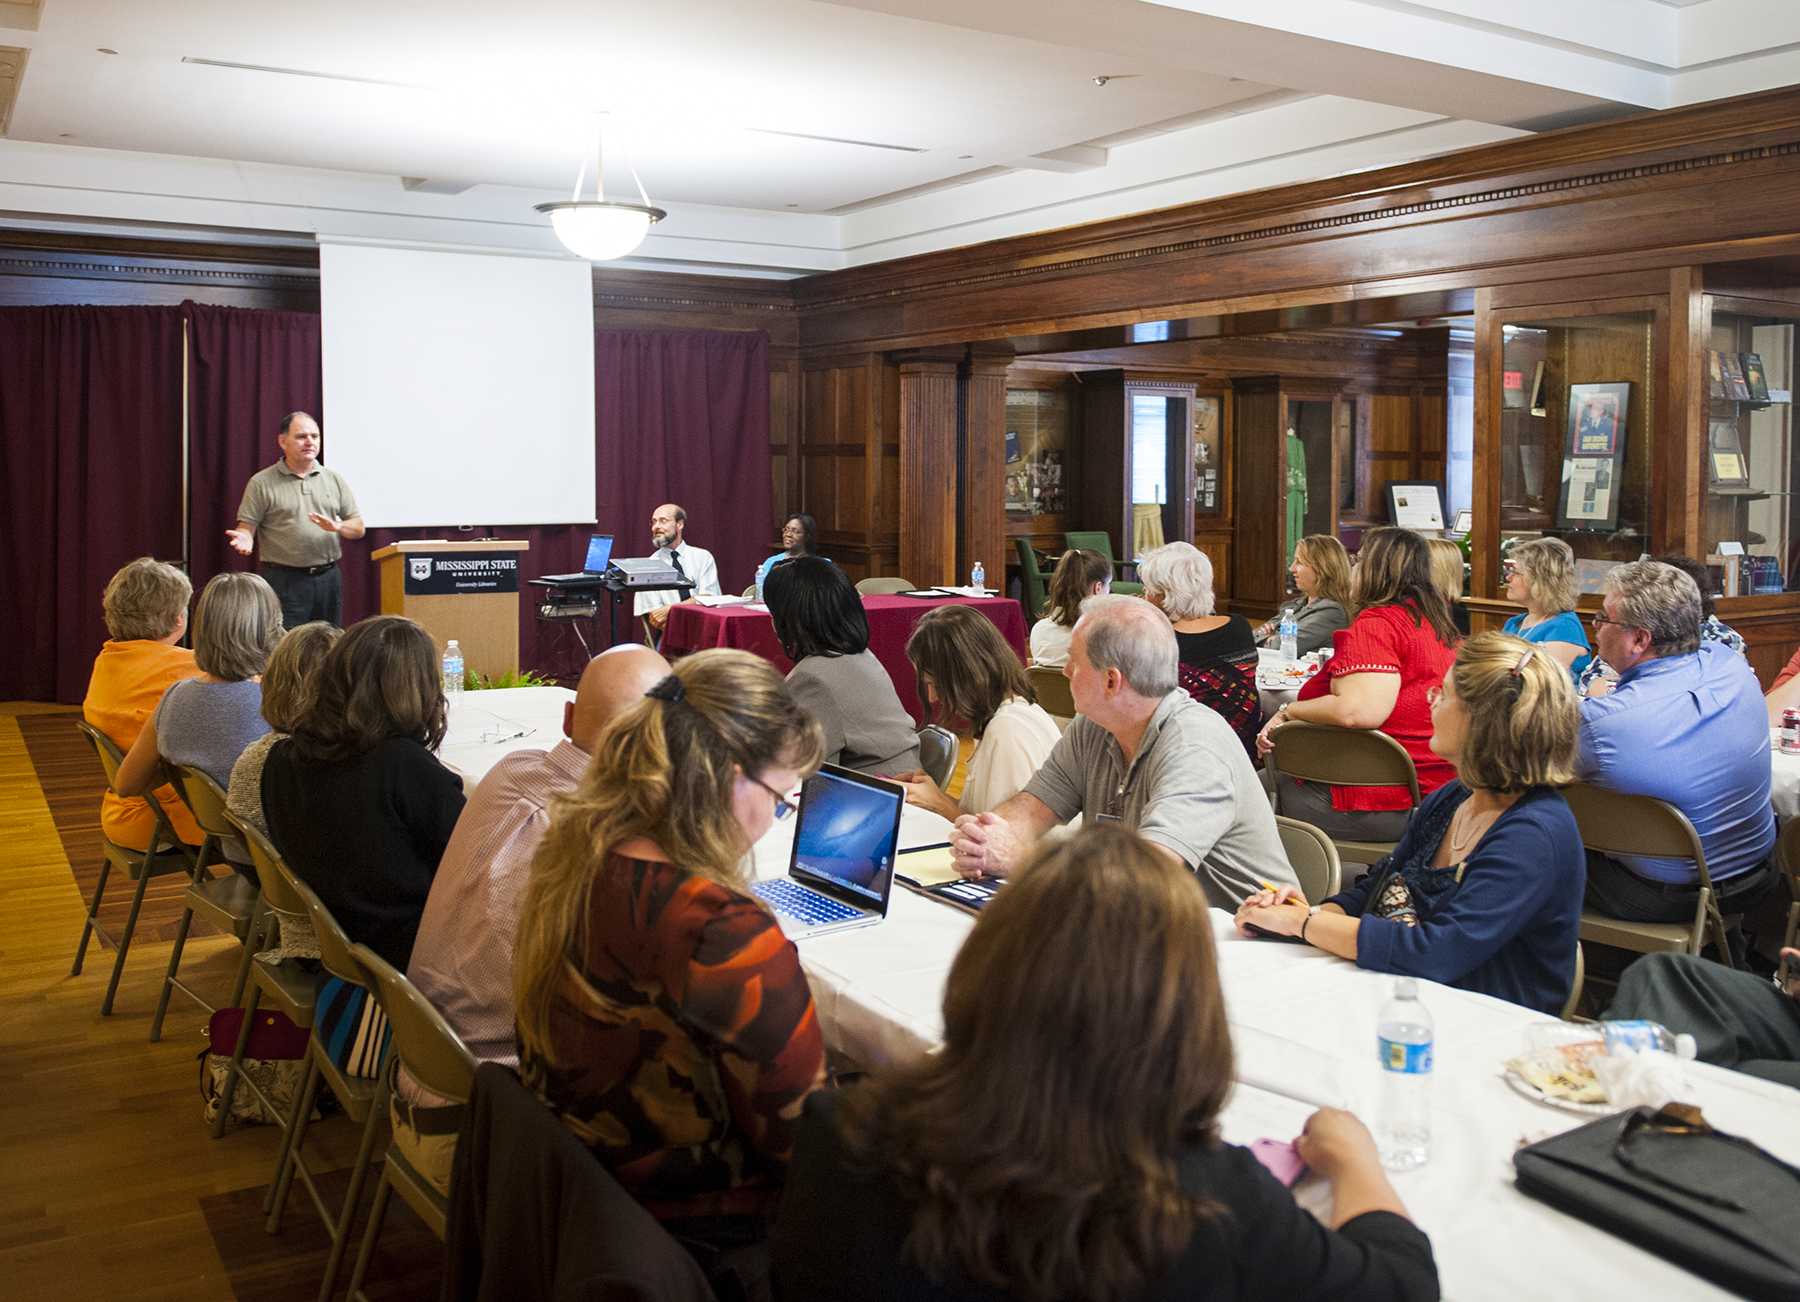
[1597, 414]
[1593, 456]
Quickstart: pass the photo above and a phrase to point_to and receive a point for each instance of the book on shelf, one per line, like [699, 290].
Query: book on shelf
[1715, 376]
[1754, 382]
[1732, 372]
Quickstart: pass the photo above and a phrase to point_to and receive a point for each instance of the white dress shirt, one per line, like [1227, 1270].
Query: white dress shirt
[697, 563]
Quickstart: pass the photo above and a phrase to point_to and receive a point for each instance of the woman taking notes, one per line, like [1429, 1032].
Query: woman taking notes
[1484, 890]
[1393, 653]
[1543, 581]
[967, 671]
[1064, 1141]
[1321, 571]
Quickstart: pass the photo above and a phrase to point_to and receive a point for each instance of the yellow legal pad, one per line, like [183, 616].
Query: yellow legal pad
[926, 867]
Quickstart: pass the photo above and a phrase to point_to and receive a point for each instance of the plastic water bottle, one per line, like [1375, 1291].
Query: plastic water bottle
[1403, 1121]
[976, 577]
[453, 671]
[1290, 637]
[1646, 1037]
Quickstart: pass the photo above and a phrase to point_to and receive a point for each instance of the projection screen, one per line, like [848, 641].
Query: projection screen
[459, 387]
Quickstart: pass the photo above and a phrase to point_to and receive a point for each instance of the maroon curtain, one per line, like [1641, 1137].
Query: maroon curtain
[90, 441]
[683, 417]
[246, 370]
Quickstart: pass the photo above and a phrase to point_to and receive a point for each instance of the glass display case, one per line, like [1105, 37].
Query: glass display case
[1575, 436]
[1750, 537]
[1209, 455]
[1037, 431]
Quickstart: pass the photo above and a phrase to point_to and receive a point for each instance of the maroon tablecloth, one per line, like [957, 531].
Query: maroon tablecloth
[693, 627]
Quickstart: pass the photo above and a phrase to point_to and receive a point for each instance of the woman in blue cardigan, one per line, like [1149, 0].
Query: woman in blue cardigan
[1484, 890]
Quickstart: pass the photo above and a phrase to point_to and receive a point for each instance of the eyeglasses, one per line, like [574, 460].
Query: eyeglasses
[1432, 696]
[783, 806]
[1600, 618]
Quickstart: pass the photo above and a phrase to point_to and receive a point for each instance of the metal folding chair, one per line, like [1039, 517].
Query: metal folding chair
[882, 585]
[229, 902]
[1052, 693]
[1313, 858]
[165, 854]
[435, 1057]
[937, 753]
[1344, 757]
[1616, 824]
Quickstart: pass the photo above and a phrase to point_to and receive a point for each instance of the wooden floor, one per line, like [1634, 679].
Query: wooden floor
[110, 1187]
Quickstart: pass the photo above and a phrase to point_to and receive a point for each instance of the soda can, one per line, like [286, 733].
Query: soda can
[1790, 732]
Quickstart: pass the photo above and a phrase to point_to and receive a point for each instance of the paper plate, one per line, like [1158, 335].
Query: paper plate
[1522, 1086]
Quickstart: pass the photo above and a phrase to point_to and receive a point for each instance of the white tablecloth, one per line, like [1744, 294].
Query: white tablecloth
[478, 718]
[1303, 1028]
[1272, 696]
[1785, 780]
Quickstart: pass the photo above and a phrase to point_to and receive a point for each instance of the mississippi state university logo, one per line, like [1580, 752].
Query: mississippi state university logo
[420, 567]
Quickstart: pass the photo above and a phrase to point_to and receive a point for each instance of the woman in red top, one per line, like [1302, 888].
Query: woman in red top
[661, 1013]
[1395, 651]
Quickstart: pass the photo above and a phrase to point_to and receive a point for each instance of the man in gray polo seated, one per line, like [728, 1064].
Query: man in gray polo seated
[1144, 754]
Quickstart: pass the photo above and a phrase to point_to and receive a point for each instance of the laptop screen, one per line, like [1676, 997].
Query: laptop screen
[848, 827]
[599, 553]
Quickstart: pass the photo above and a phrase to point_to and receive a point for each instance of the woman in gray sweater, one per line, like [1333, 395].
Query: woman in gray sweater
[1321, 571]
[820, 621]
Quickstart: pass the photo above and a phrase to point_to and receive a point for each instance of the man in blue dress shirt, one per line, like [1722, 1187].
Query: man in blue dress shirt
[1685, 724]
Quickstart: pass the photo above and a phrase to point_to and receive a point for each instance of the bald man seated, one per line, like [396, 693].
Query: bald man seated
[462, 960]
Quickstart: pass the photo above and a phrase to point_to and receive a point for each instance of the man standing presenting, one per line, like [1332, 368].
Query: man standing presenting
[302, 510]
[695, 564]
[1144, 754]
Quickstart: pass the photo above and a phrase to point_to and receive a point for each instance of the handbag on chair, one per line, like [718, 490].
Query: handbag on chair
[275, 1058]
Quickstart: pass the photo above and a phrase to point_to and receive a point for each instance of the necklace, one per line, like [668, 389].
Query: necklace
[1456, 842]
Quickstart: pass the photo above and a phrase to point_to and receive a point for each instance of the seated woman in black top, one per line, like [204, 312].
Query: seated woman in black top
[1218, 652]
[1064, 1143]
[357, 803]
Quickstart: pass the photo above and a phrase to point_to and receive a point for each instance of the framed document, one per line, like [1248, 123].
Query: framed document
[1593, 456]
[1725, 464]
[1415, 503]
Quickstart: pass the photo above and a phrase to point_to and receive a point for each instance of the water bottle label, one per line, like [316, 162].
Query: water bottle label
[1414, 1059]
[1638, 1036]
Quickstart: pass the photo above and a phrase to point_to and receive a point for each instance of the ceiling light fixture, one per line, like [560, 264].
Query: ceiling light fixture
[594, 228]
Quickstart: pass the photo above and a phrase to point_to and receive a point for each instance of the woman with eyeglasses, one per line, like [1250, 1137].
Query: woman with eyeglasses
[661, 1012]
[1484, 890]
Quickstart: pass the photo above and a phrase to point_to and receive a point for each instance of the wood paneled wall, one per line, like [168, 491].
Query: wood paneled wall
[849, 462]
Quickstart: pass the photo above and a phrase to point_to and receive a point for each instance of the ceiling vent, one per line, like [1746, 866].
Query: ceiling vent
[12, 71]
[426, 185]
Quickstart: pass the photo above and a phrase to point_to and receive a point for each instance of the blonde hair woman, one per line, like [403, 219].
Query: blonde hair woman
[660, 1011]
[1543, 581]
[1447, 570]
[1484, 890]
[1321, 570]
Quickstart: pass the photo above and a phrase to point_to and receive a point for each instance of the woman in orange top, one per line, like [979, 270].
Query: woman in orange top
[146, 613]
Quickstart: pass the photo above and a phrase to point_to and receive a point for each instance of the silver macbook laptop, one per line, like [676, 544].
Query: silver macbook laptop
[842, 869]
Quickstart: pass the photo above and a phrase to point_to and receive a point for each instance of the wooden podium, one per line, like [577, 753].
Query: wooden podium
[463, 590]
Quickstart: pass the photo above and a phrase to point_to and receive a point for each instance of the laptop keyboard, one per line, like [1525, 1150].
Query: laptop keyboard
[786, 896]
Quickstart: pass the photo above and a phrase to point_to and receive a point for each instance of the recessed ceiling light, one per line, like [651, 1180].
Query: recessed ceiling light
[104, 50]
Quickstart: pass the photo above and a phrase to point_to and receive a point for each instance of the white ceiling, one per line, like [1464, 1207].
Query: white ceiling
[994, 104]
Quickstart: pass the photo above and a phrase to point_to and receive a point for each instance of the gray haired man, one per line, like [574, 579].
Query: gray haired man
[1144, 754]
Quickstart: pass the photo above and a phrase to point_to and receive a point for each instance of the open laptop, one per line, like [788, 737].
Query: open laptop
[841, 872]
[599, 553]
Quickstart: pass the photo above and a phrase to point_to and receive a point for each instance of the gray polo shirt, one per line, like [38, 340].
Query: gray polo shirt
[277, 501]
[1190, 789]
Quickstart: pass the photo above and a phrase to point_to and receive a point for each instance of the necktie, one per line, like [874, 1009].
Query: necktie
[675, 560]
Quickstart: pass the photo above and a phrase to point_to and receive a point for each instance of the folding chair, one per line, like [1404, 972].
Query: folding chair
[435, 1057]
[1344, 757]
[1313, 858]
[165, 855]
[882, 585]
[1573, 1002]
[937, 753]
[229, 903]
[364, 1099]
[284, 985]
[1053, 694]
[1614, 823]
